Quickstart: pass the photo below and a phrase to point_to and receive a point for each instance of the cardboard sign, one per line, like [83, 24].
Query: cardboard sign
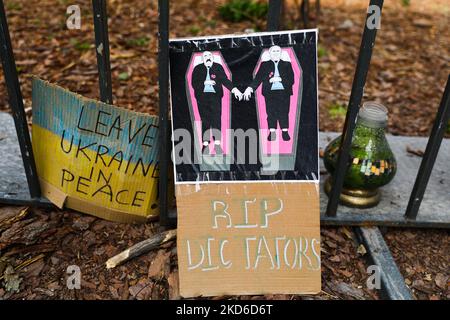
[245, 143]
[257, 238]
[94, 157]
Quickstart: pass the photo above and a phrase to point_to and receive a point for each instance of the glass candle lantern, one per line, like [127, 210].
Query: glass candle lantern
[371, 164]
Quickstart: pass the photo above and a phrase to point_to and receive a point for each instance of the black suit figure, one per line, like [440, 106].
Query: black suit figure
[208, 80]
[277, 78]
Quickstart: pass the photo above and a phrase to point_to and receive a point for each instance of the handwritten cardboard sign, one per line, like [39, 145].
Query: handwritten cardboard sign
[94, 157]
[257, 238]
[245, 134]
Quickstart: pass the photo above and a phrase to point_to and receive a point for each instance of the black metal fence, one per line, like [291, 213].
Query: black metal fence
[104, 71]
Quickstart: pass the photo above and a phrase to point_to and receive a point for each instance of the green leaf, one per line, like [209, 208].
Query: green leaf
[321, 51]
[406, 3]
[138, 42]
[13, 5]
[80, 46]
[194, 30]
[337, 110]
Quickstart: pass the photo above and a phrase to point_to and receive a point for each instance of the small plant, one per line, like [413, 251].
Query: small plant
[240, 10]
[12, 5]
[138, 42]
[321, 51]
[194, 30]
[337, 110]
[38, 23]
[406, 3]
[211, 23]
[208, 21]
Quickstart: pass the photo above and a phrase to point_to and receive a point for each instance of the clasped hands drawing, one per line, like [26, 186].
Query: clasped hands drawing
[275, 79]
[237, 93]
[247, 94]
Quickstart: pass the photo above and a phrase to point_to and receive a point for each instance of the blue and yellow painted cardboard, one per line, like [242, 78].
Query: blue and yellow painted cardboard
[94, 157]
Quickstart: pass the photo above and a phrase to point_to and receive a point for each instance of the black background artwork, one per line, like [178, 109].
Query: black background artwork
[241, 54]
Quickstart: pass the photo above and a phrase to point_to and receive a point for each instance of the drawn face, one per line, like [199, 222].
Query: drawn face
[207, 58]
[275, 53]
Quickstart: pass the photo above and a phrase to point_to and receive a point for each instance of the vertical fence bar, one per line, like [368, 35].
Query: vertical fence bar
[16, 104]
[273, 16]
[431, 152]
[317, 12]
[164, 146]
[305, 13]
[359, 80]
[102, 50]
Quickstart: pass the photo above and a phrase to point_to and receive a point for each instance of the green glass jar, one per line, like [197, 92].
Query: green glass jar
[372, 163]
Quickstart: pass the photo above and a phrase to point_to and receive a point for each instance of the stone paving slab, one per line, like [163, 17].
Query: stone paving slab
[13, 182]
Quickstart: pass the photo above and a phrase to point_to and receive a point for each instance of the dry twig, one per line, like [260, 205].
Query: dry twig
[142, 247]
